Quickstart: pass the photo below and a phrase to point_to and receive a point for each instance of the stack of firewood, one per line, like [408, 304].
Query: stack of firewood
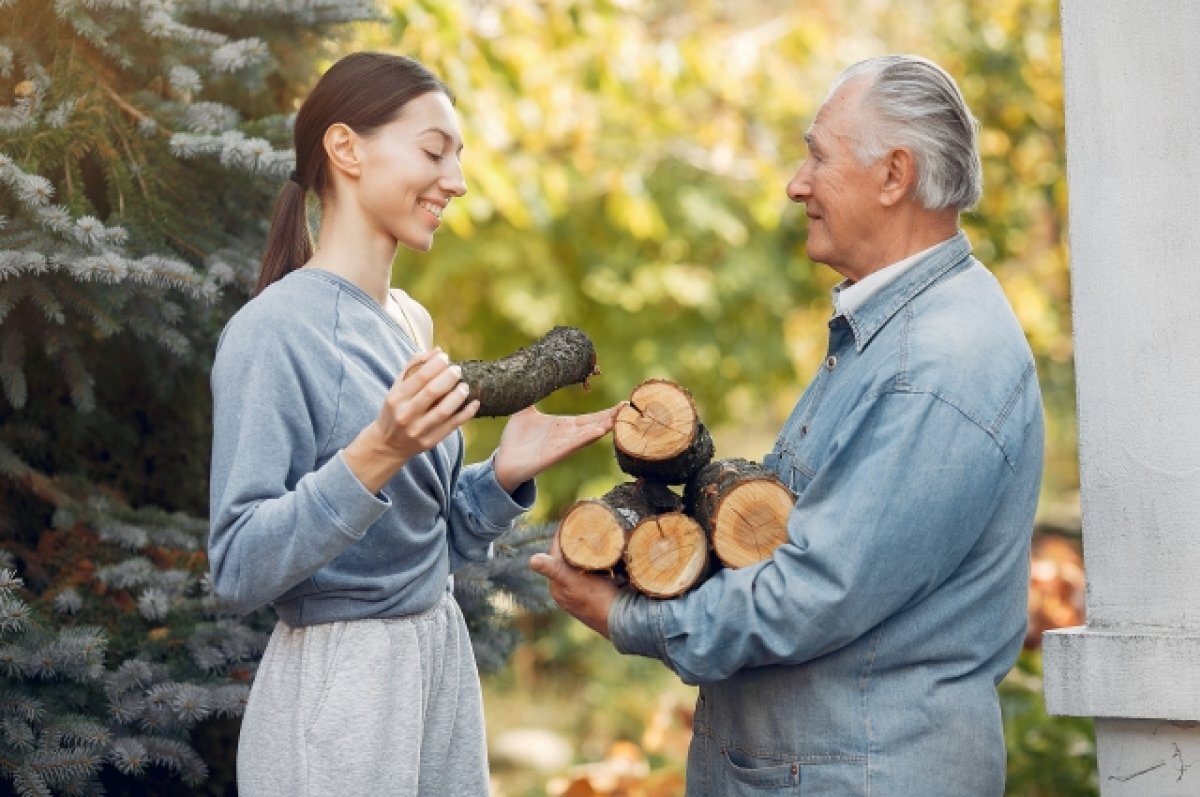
[732, 513]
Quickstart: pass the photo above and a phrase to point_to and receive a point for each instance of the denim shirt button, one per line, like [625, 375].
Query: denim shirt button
[804, 430]
[831, 362]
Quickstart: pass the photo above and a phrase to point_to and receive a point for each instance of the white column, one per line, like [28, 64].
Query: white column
[1132, 75]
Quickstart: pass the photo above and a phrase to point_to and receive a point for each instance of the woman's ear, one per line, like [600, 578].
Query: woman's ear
[899, 176]
[341, 147]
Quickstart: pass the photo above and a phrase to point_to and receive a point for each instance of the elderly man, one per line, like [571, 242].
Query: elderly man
[862, 659]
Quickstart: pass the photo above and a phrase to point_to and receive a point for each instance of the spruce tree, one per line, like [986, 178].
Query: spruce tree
[141, 144]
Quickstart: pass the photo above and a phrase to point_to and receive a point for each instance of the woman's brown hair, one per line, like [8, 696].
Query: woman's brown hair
[363, 91]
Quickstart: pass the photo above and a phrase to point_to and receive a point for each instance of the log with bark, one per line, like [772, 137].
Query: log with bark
[666, 555]
[593, 532]
[659, 436]
[742, 506]
[563, 356]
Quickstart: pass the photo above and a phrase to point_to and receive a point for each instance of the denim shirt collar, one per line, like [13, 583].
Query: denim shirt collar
[865, 321]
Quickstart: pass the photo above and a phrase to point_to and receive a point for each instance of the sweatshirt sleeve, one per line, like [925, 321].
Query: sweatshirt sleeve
[276, 516]
[481, 511]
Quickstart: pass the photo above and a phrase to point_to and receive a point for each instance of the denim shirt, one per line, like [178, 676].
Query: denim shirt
[862, 658]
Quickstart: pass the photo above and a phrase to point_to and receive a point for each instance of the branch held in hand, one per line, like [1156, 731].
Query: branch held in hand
[563, 356]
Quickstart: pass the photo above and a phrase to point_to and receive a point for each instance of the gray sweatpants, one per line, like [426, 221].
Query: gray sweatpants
[366, 707]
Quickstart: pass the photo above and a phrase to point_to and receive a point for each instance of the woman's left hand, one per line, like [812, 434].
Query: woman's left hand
[532, 442]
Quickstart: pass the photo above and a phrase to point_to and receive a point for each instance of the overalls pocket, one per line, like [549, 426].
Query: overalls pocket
[746, 776]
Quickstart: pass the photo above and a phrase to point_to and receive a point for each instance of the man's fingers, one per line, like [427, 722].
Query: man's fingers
[546, 565]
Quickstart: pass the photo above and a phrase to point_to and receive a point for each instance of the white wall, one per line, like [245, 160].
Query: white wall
[1132, 74]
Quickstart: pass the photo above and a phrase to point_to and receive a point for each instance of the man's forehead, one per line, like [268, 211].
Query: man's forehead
[835, 115]
[819, 129]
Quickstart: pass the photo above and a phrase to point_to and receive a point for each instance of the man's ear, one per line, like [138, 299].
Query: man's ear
[341, 147]
[900, 175]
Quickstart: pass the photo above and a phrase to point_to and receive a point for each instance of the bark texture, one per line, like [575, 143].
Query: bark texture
[563, 356]
[743, 507]
[593, 533]
[659, 436]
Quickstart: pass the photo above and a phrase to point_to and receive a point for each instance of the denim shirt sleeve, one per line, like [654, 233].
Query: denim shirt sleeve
[481, 510]
[898, 501]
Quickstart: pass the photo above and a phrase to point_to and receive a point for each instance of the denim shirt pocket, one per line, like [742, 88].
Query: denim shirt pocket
[743, 775]
[746, 776]
[789, 467]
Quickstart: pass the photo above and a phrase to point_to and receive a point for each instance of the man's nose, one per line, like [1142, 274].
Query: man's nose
[798, 188]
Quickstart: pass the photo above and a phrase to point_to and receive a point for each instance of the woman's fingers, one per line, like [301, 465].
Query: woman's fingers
[420, 359]
[424, 385]
[427, 402]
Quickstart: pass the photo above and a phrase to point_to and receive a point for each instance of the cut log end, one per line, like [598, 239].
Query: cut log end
[658, 423]
[744, 508]
[751, 522]
[592, 536]
[658, 436]
[666, 555]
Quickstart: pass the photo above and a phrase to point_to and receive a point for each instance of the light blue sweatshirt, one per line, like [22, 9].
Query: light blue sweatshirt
[299, 372]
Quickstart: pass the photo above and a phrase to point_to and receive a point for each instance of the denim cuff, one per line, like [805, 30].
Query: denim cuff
[633, 624]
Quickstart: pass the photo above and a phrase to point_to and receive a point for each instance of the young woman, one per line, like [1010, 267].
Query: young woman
[339, 494]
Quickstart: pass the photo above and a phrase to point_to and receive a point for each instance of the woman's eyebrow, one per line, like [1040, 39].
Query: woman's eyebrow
[446, 134]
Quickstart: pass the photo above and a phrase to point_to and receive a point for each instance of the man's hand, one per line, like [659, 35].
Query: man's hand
[584, 596]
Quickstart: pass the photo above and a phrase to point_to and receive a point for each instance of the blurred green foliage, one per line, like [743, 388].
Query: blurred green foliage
[626, 164]
[1047, 756]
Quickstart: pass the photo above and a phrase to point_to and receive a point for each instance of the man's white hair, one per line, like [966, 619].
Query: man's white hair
[913, 103]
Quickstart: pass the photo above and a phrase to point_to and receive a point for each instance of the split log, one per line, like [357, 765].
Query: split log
[593, 533]
[563, 356]
[659, 435]
[666, 555]
[743, 507]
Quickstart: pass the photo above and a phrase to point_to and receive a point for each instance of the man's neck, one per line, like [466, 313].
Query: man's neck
[908, 234]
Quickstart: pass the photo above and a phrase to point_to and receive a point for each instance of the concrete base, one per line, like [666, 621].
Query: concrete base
[1129, 674]
[1148, 758]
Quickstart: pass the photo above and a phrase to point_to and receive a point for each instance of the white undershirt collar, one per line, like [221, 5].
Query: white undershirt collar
[849, 296]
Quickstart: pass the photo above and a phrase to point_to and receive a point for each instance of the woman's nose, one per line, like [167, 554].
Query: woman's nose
[454, 182]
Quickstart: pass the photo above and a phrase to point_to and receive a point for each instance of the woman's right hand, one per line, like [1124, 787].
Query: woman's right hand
[423, 405]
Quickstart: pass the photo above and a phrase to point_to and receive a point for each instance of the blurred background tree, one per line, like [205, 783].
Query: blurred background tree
[626, 164]
[626, 161]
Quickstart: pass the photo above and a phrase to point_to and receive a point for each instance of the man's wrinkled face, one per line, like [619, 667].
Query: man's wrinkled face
[841, 196]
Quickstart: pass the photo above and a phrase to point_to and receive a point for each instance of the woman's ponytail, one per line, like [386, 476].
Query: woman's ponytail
[289, 243]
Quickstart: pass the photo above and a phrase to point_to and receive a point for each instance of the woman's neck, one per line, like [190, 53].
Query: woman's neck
[361, 256]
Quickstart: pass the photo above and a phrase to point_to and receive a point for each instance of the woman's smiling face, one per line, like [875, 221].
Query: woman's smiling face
[411, 171]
